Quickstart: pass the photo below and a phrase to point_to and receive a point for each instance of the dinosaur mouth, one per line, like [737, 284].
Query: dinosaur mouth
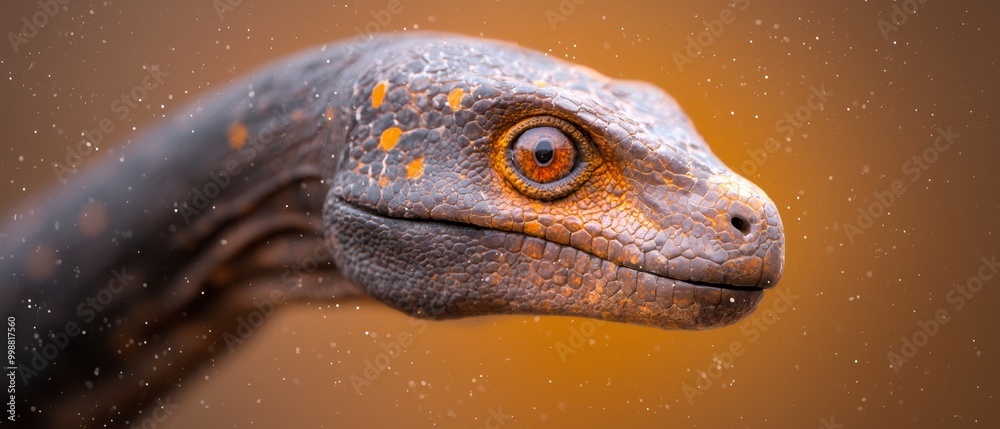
[444, 269]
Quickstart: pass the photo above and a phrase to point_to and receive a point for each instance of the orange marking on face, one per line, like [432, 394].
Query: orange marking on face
[237, 135]
[329, 113]
[533, 227]
[541, 84]
[383, 181]
[455, 98]
[390, 137]
[378, 93]
[415, 169]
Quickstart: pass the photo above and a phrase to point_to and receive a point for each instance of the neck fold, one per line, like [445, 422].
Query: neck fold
[140, 269]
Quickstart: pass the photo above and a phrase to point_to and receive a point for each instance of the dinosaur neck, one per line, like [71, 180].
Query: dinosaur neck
[142, 268]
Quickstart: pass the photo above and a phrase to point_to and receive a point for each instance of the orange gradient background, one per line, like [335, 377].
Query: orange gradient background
[823, 360]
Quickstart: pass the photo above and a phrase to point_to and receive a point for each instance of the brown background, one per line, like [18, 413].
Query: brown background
[824, 359]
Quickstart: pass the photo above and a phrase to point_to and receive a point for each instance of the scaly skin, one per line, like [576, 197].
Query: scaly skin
[391, 155]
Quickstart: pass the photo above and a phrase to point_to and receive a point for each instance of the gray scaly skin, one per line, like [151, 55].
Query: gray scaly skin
[393, 156]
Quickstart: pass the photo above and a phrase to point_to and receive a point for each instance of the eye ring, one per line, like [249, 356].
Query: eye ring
[546, 186]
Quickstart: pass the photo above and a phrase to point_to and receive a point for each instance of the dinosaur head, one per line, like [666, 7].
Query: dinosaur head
[479, 178]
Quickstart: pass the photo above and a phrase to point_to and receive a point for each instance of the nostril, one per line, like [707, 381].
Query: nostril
[741, 225]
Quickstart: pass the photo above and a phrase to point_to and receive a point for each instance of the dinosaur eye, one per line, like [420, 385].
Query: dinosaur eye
[546, 157]
[543, 154]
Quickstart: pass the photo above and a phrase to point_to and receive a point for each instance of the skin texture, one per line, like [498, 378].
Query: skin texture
[388, 162]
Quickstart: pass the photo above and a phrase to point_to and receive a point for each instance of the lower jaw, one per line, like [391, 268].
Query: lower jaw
[448, 270]
[674, 304]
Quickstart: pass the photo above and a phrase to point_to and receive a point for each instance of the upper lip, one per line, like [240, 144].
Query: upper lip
[756, 287]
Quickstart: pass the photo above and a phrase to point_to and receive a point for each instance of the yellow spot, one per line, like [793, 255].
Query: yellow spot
[390, 137]
[541, 84]
[455, 98]
[329, 113]
[415, 169]
[378, 94]
[237, 135]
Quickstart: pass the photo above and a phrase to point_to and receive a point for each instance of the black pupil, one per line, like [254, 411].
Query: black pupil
[544, 152]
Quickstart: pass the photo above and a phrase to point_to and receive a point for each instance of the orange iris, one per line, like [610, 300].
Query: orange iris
[543, 154]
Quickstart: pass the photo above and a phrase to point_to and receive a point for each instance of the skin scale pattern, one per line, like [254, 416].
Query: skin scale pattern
[377, 161]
